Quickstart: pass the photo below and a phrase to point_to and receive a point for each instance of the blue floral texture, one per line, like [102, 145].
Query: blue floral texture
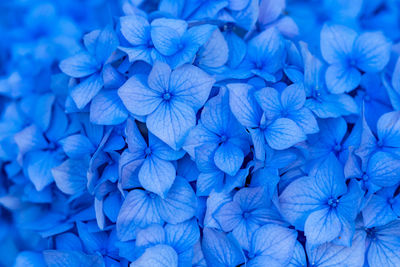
[179, 133]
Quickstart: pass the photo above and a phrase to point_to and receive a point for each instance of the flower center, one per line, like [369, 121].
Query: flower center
[333, 202]
[337, 147]
[352, 62]
[391, 201]
[147, 151]
[152, 195]
[166, 96]
[367, 98]
[365, 177]
[150, 43]
[380, 143]
[223, 138]
[371, 233]
[246, 215]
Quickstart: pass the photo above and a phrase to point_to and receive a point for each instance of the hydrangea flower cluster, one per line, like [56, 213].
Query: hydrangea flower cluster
[179, 133]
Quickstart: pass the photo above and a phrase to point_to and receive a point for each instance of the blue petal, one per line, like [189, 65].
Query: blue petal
[384, 249]
[84, 92]
[250, 198]
[270, 11]
[30, 138]
[229, 216]
[166, 40]
[191, 85]
[305, 119]
[107, 43]
[138, 210]
[299, 199]
[237, 4]
[340, 78]
[80, 65]
[162, 150]
[171, 122]
[135, 140]
[329, 254]
[269, 47]
[269, 100]
[299, 256]
[372, 51]
[182, 236]
[43, 111]
[39, 167]
[151, 236]
[157, 256]
[274, 243]
[107, 109]
[322, 226]
[29, 258]
[293, 97]
[384, 169]
[247, 17]
[138, 98]
[112, 205]
[58, 258]
[243, 105]
[377, 212]
[159, 77]
[237, 48]
[333, 106]
[180, 203]
[77, 146]
[214, 53]
[199, 35]
[336, 42]
[220, 250]
[157, 175]
[389, 129]
[283, 133]
[92, 241]
[229, 158]
[135, 29]
[138, 53]
[70, 176]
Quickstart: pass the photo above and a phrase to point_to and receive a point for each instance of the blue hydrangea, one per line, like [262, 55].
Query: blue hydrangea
[177, 133]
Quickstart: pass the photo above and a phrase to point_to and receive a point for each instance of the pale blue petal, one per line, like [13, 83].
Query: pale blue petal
[80, 65]
[180, 203]
[220, 250]
[229, 158]
[39, 165]
[336, 42]
[191, 85]
[58, 258]
[341, 78]
[182, 236]
[159, 77]
[138, 210]
[107, 109]
[77, 146]
[157, 175]
[70, 176]
[283, 133]
[372, 51]
[84, 92]
[171, 122]
[157, 256]
[138, 98]
[274, 241]
[135, 29]
[322, 226]
[243, 105]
